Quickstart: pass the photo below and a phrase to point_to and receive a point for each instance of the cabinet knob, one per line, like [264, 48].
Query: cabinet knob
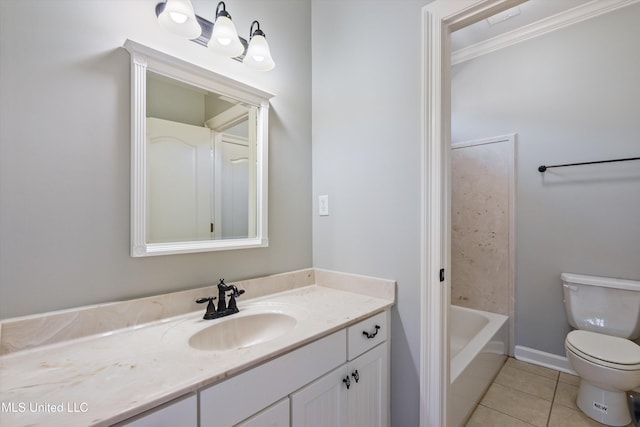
[356, 375]
[372, 334]
[347, 381]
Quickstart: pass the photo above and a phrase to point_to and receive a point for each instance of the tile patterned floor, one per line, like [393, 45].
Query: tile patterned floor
[525, 395]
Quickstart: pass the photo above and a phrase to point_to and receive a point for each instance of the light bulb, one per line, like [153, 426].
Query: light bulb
[224, 38]
[177, 17]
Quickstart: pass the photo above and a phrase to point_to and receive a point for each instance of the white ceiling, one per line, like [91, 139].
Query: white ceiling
[530, 11]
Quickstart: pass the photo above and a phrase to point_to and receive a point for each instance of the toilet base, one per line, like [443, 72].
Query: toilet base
[606, 407]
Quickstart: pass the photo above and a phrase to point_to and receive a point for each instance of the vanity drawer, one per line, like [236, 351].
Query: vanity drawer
[367, 334]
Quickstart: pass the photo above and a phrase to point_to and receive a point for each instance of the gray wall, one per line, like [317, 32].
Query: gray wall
[572, 96]
[177, 103]
[366, 158]
[64, 152]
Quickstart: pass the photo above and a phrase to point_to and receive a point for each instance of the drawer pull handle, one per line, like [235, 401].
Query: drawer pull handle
[371, 335]
[356, 375]
[347, 381]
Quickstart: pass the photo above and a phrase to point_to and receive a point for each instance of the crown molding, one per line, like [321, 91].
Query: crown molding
[555, 22]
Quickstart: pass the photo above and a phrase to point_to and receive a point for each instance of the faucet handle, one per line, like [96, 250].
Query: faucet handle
[235, 292]
[211, 309]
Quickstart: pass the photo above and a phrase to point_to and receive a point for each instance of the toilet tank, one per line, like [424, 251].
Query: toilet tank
[601, 304]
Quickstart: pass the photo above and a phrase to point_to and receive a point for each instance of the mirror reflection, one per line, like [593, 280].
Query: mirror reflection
[201, 163]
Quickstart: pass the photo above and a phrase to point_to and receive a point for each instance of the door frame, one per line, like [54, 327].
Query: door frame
[220, 139]
[439, 19]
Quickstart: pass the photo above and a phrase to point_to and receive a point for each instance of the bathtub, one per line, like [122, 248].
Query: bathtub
[478, 349]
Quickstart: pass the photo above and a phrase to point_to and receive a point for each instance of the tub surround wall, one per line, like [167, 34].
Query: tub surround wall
[571, 95]
[481, 271]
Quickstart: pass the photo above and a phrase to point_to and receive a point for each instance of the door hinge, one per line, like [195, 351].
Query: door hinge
[442, 274]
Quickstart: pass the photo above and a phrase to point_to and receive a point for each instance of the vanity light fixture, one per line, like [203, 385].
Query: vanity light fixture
[224, 37]
[258, 54]
[220, 36]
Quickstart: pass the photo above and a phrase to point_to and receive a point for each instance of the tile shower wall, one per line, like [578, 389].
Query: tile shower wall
[480, 226]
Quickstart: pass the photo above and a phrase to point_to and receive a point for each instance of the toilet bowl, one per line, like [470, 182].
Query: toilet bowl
[608, 367]
[606, 315]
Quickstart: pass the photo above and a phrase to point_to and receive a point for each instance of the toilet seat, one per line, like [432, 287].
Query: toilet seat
[604, 350]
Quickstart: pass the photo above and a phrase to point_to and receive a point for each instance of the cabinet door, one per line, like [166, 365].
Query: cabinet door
[276, 415]
[180, 412]
[368, 395]
[322, 403]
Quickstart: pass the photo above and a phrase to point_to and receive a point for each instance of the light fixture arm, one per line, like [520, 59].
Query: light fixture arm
[257, 32]
[221, 10]
[207, 28]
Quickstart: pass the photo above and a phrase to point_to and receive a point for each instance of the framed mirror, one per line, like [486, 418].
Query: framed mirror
[198, 158]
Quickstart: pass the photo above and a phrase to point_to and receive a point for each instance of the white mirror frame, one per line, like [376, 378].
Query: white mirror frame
[143, 59]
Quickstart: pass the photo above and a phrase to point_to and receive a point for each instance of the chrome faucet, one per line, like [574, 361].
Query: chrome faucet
[223, 309]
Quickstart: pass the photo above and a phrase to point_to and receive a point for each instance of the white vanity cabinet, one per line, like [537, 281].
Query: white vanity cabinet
[355, 394]
[306, 387]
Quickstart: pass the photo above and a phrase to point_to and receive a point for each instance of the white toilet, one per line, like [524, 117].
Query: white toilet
[606, 314]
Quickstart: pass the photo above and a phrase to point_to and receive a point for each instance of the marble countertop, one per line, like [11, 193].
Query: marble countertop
[105, 378]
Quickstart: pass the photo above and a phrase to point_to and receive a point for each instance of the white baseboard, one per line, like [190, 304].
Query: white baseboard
[541, 358]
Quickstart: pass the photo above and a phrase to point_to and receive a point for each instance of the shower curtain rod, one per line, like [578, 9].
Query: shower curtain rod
[543, 168]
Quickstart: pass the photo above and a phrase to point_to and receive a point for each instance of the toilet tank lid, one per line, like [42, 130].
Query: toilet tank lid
[607, 282]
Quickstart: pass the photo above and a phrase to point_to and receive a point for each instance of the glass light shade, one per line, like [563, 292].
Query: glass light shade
[179, 18]
[224, 38]
[258, 54]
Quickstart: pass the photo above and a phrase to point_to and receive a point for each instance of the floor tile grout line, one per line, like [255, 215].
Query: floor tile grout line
[527, 393]
[555, 392]
[505, 414]
[556, 376]
[553, 397]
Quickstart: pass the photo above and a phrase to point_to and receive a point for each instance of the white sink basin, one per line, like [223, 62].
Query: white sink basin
[243, 331]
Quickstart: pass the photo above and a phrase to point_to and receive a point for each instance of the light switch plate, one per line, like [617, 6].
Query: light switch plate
[323, 205]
